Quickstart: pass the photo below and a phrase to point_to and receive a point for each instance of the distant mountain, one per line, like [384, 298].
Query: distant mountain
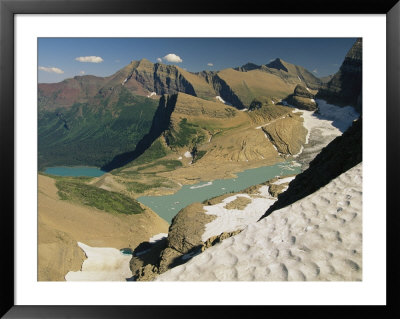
[211, 133]
[345, 87]
[326, 79]
[108, 116]
[237, 86]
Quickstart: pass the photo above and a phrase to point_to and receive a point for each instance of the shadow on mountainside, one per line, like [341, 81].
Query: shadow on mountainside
[160, 123]
[343, 153]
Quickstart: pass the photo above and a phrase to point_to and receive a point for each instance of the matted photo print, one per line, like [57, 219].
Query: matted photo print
[200, 159]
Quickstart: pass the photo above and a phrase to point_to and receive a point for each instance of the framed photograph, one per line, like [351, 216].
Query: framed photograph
[168, 154]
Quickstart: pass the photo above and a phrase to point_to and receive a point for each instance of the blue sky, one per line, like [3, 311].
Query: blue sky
[61, 58]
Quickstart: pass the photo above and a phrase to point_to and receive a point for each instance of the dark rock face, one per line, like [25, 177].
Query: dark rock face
[340, 155]
[277, 64]
[345, 88]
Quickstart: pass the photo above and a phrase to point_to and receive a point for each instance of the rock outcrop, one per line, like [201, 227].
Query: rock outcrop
[184, 240]
[345, 88]
[302, 98]
[288, 134]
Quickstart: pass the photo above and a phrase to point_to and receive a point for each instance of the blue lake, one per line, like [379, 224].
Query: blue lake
[169, 205]
[75, 171]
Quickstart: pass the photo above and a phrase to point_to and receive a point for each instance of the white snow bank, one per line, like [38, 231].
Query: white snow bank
[222, 100]
[157, 237]
[187, 154]
[318, 238]
[152, 94]
[341, 117]
[284, 180]
[102, 264]
[233, 219]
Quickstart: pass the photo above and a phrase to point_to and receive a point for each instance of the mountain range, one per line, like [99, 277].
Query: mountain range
[109, 116]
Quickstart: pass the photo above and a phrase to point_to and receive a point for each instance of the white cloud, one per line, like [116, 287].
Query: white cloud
[82, 72]
[210, 64]
[159, 60]
[171, 57]
[91, 59]
[51, 69]
[315, 71]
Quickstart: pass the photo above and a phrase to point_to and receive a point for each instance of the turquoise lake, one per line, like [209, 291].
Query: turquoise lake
[75, 171]
[169, 205]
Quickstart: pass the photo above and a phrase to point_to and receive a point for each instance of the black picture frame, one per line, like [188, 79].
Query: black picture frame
[9, 8]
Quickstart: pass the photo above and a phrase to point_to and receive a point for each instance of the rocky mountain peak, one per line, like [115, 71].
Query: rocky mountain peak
[278, 64]
[345, 88]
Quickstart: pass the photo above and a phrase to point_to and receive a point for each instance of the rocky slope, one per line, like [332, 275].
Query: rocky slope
[340, 155]
[345, 88]
[302, 98]
[197, 227]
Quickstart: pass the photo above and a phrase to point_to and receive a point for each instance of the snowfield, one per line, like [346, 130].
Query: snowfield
[102, 264]
[318, 238]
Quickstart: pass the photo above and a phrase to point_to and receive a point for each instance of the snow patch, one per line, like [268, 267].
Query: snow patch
[152, 94]
[284, 180]
[228, 220]
[158, 237]
[187, 154]
[102, 264]
[202, 185]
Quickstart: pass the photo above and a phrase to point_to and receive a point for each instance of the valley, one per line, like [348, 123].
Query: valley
[132, 165]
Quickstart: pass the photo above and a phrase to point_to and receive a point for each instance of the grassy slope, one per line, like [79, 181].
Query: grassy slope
[253, 84]
[61, 223]
[88, 195]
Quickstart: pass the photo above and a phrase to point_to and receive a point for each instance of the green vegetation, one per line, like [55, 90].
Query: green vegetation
[169, 165]
[93, 135]
[88, 195]
[187, 134]
[153, 153]
[83, 179]
[141, 187]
